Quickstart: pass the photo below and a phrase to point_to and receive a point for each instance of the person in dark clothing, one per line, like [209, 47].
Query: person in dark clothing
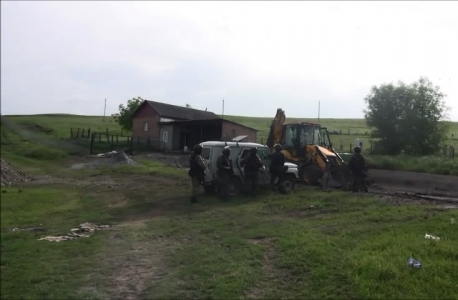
[224, 164]
[196, 172]
[252, 163]
[277, 166]
[357, 166]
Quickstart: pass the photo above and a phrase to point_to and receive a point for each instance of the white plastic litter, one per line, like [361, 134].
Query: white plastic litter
[431, 237]
[412, 262]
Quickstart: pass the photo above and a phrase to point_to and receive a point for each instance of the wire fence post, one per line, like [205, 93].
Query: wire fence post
[131, 150]
[78, 133]
[71, 132]
[112, 146]
[117, 140]
[92, 143]
[89, 133]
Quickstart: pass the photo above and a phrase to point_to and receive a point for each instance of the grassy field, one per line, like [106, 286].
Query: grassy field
[309, 244]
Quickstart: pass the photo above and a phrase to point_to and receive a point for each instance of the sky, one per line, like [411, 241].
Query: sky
[67, 57]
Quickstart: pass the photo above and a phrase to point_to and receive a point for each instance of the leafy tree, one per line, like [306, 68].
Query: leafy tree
[407, 117]
[124, 117]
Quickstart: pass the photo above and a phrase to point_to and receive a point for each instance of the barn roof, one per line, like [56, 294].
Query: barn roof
[180, 112]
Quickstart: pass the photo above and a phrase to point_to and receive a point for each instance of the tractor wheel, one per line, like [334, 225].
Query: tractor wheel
[311, 174]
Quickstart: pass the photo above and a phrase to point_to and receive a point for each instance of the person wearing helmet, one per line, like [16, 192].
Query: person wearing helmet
[224, 164]
[357, 166]
[277, 166]
[252, 163]
[196, 172]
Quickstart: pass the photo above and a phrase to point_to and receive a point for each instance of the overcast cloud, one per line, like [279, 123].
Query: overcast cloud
[67, 57]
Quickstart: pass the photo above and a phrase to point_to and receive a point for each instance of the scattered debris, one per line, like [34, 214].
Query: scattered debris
[10, 176]
[113, 158]
[431, 237]
[452, 221]
[83, 230]
[39, 228]
[108, 154]
[414, 263]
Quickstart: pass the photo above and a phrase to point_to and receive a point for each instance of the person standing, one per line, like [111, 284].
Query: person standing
[196, 172]
[277, 166]
[224, 164]
[357, 165]
[252, 164]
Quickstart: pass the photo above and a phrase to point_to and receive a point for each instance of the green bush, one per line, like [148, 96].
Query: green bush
[42, 153]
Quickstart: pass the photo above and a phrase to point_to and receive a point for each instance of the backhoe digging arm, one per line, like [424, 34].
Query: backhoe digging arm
[276, 129]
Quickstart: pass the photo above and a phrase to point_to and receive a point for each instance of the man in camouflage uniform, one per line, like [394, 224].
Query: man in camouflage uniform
[224, 164]
[357, 166]
[196, 172]
[277, 166]
[252, 163]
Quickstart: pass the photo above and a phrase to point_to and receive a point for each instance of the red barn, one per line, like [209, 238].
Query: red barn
[174, 127]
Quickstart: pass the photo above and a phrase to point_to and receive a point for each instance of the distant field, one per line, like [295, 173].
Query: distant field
[356, 127]
[61, 124]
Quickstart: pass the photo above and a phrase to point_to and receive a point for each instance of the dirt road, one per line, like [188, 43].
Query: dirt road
[419, 187]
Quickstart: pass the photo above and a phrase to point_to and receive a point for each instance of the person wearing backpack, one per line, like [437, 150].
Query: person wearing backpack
[277, 166]
[357, 166]
[251, 165]
[196, 172]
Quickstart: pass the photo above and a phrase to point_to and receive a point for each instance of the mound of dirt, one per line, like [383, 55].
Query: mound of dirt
[111, 159]
[10, 176]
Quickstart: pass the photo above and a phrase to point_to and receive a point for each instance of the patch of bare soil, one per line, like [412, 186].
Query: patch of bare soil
[110, 159]
[133, 268]
[10, 176]
[398, 195]
[271, 275]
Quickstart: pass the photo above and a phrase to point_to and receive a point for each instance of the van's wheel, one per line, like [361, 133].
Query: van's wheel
[234, 187]
[287, 185]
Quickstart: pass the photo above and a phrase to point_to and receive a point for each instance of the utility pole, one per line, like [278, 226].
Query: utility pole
[223, 107]
[104, 109]
[318, 111]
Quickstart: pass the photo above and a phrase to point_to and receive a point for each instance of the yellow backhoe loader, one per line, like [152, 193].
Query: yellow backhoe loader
[308, 145]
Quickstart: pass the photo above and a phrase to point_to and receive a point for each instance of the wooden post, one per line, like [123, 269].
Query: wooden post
[111, 143]
[71, 132]
[89, 133]
[78, 133]
[82, 134]
[117, 140]
[131, 150]
[92, 143]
